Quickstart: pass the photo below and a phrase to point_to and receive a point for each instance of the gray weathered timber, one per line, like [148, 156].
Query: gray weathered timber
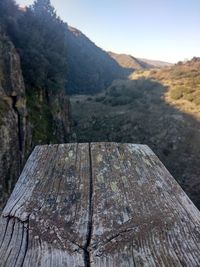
[99, 204]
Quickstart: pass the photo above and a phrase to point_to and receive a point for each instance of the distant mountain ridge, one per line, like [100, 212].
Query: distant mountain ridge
[133, 63]
[156, 63]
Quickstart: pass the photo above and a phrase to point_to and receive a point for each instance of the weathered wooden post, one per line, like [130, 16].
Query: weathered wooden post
[98, 204]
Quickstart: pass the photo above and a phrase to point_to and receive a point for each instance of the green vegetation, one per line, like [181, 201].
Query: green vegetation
[176, 93]
[8, 13]
[39, 37]
[182, 80]
[41, 118]
[54, 55]
[122, 93]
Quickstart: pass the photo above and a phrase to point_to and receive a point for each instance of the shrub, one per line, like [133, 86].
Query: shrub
[188, 90]
[197, 100]
[176, 93]
[189, 97]
[152, 72]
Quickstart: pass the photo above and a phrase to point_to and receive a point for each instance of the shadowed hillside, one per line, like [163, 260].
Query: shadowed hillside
[90, 69]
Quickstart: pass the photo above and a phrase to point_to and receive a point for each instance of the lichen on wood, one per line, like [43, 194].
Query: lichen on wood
[98, 204]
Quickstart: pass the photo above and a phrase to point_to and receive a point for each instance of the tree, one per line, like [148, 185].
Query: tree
[8, 12]
[40, 39]
[44, 8]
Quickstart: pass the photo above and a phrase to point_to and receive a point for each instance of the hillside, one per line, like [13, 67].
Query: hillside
[130, 62]
[183, 84]
[159, 108]
[133, 63]
[90, 69]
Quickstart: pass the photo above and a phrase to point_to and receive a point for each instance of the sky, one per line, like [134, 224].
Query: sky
[167, 30]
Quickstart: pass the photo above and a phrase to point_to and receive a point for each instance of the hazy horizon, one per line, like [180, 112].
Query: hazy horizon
[166, 31]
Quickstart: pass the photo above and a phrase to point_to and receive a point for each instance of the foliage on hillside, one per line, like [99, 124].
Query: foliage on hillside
[8, 13]
[121, 92]
[39, 36]
[182, 80]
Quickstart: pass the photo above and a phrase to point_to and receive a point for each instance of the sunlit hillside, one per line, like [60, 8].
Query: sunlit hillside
[182, 82]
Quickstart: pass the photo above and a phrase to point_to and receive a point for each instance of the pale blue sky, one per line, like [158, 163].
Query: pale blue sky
[156, 29]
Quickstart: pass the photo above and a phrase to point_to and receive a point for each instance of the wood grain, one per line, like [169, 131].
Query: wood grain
[141, 216]
[99, 204]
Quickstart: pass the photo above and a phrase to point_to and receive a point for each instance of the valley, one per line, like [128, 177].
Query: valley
[146, 110]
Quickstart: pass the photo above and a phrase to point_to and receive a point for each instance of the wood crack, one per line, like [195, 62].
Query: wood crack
[90, 216]
[108, 240]
[26, 246]
[8, 216]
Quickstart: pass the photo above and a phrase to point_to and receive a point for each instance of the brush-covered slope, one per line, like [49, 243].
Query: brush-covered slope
[182, 81]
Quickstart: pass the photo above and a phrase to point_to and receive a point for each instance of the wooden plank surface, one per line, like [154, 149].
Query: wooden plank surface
[141, 216]
[52, 197]
[99, 204]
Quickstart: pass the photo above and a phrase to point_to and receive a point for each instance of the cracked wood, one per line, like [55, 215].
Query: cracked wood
[99, 204]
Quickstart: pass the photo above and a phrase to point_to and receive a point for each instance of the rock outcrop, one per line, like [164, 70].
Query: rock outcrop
[13, 116]
[25, 119]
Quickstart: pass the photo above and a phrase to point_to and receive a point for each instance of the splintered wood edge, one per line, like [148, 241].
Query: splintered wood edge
[98, 204]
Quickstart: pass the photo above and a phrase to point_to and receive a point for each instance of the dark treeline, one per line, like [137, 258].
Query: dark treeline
[40, 38]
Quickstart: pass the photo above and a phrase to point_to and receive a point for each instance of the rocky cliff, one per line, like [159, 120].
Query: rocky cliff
[13, 116]
[26, 119]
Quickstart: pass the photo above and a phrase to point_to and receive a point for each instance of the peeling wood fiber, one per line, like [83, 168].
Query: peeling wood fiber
[98, 204]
